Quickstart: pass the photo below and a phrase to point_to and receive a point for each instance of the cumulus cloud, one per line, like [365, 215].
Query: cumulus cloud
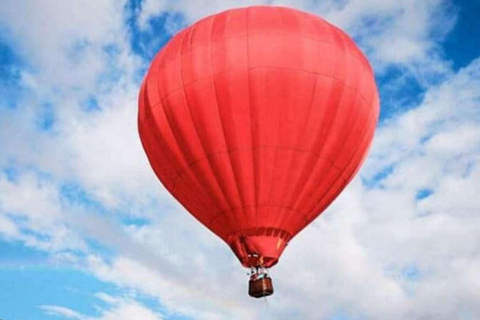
[61, 311]
[400, 243]
[78, 60]
[63, 43]
[33, 213]
[403, 32]
[118, 308]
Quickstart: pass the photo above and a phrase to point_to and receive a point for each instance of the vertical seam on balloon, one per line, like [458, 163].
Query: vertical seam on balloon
[368, 143]
[190, 39]
[220, 117]
[160, 103]
[149, 118]
[357, 114]
[290, 194]
[342, 88]
[365, 139]
[282, 213]
[344, 141]
[312, 170]
[367, 119]
[371, 113]
[141, 105]
[217, 180]
[306, 170]
[155, 128]
[340, 99]
[255, 187]
[306, 118]
[174, 185]
[331, 191]
[210, 191]
[156, 136]
[279, 125]
[360, 146]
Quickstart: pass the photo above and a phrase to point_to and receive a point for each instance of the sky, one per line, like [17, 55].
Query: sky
[88, 233]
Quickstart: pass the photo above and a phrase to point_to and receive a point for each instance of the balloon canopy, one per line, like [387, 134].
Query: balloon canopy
[255, 119]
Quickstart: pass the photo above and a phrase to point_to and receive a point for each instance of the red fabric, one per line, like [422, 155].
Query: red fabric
[255, 119]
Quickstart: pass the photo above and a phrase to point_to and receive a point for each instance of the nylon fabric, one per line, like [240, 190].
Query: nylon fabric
[256, 119]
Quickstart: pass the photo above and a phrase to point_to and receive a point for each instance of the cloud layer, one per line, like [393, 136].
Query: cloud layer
[400, 243]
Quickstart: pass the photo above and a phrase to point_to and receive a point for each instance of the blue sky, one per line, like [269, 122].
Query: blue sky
[86, 231]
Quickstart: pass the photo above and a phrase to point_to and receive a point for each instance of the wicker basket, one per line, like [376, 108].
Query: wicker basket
[260, 287]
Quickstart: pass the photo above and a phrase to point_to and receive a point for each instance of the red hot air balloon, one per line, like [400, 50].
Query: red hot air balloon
[255, 119]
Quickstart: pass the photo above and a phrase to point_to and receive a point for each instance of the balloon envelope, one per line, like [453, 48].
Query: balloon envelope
[256, 119]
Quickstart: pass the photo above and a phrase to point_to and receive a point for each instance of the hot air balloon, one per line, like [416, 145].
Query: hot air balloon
[255, 119]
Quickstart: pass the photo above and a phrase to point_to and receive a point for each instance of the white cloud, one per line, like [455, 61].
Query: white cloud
[122, 308]
[118, 308]
[63, 42]
[377, 243]
[186, 267]
[61, 311]
[406, 33]
[378, 252]
[97, 149]
[31, 211]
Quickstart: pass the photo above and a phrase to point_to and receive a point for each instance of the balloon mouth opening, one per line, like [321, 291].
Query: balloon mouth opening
[260, 284]
[260, 247]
